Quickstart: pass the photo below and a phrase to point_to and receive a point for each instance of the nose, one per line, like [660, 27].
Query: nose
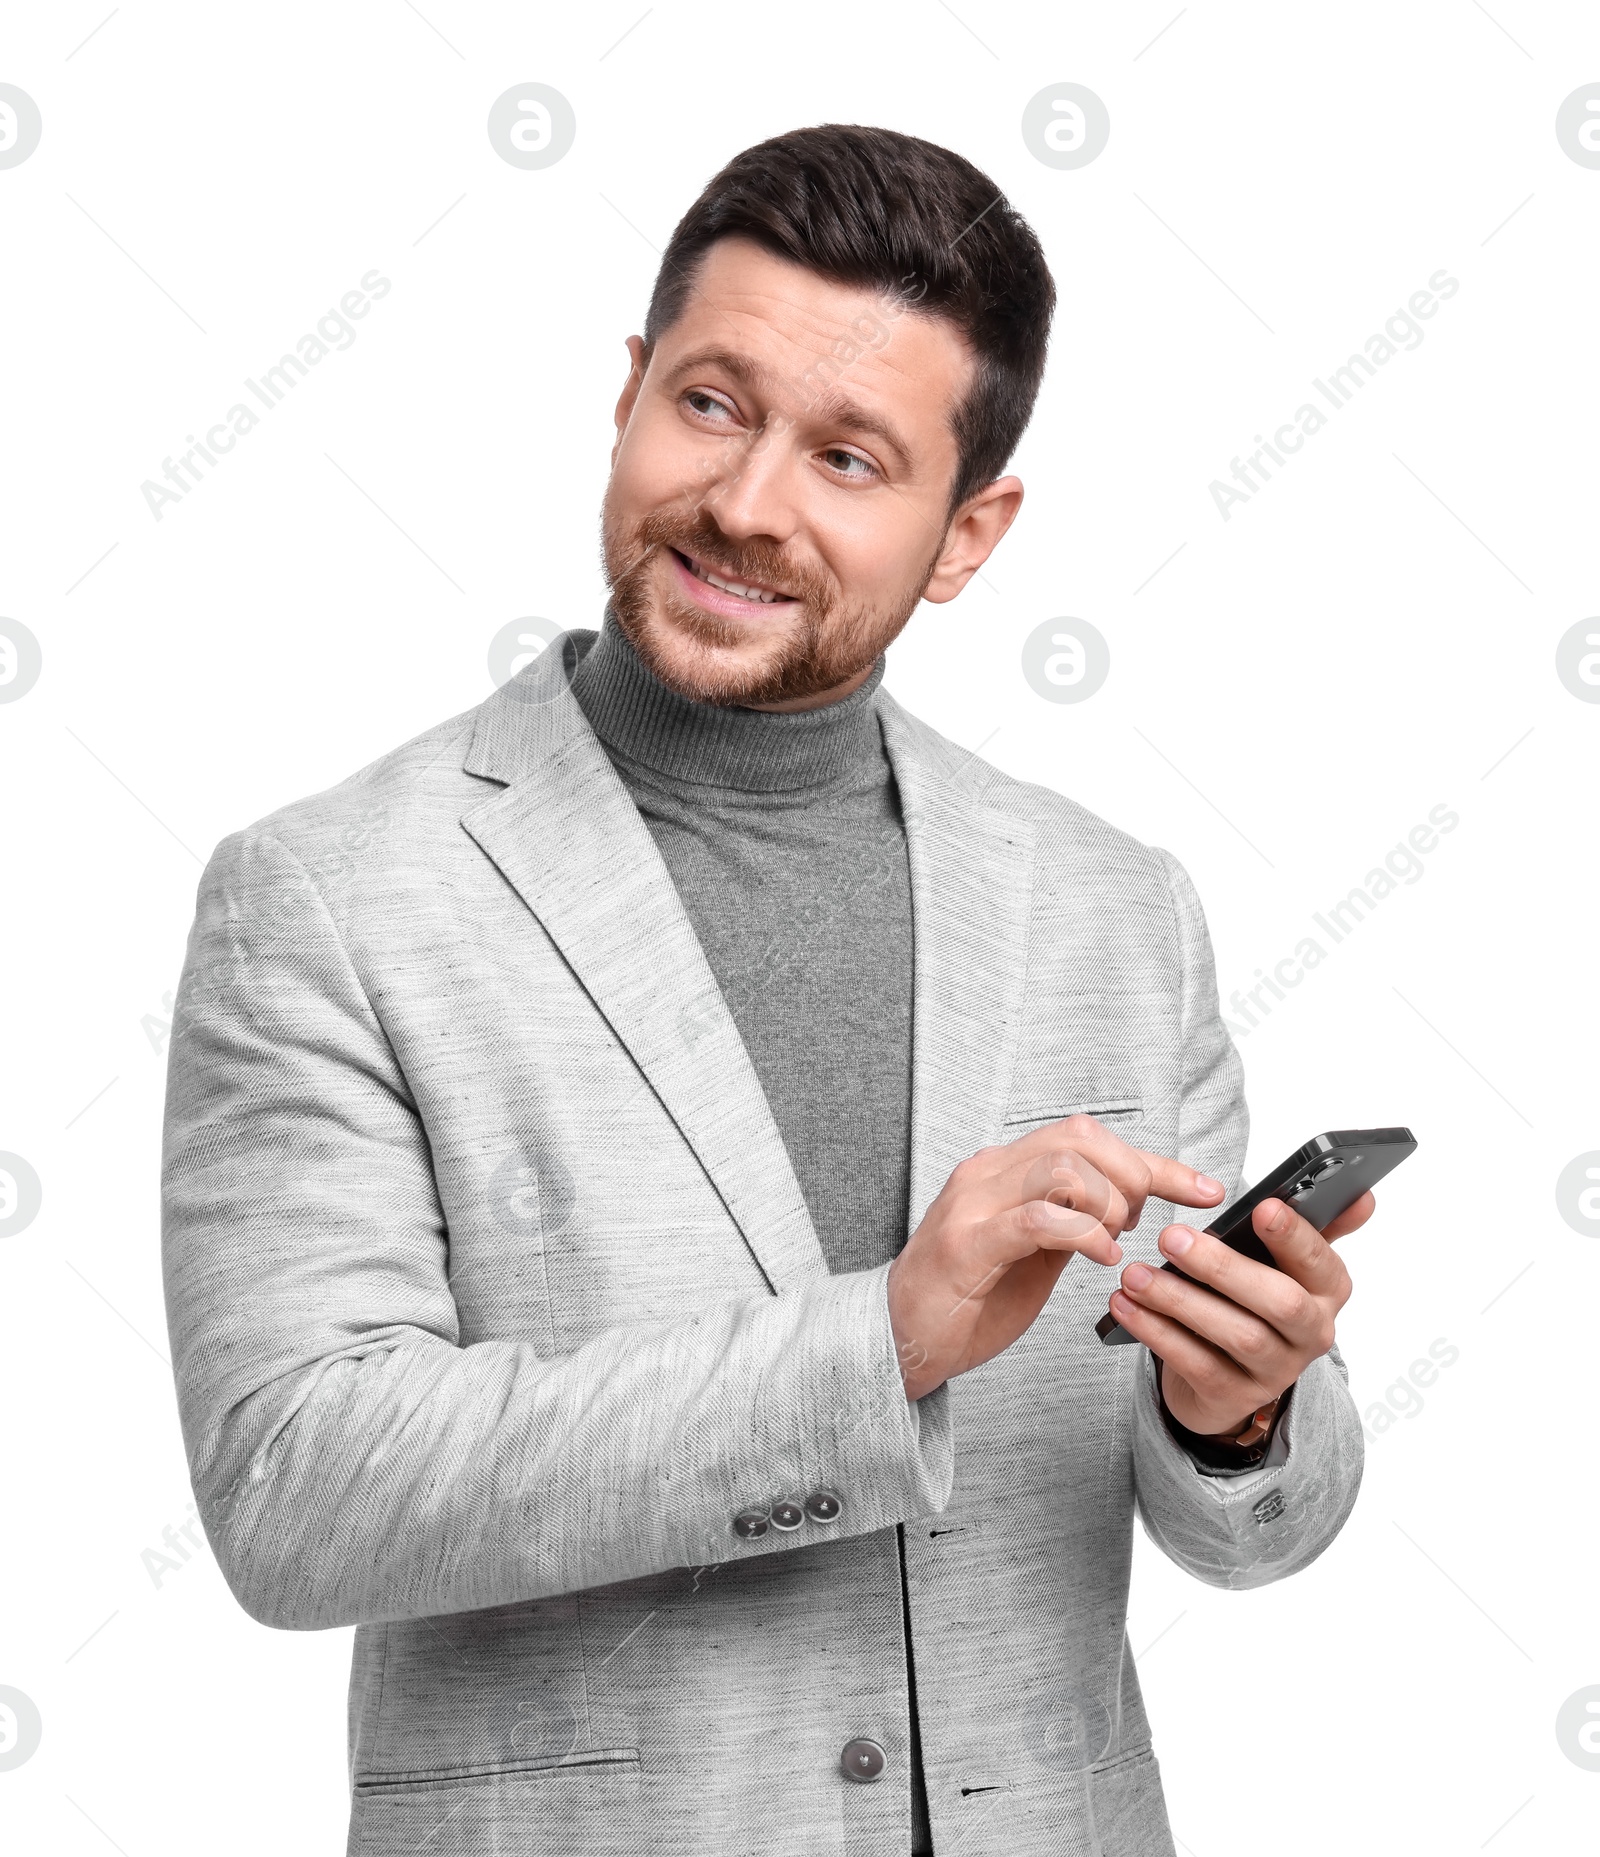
[756, 494]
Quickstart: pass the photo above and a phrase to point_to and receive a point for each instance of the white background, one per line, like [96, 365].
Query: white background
[1292, 692]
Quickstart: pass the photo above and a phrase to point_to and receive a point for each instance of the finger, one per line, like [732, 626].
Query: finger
[1214, 1375]
[1293, 1308]
[1137, 1173]
[1252, 1339]
[1354, 1215]
[1069, 1178]
[1301, 1251]
[1037, 1225]
[1056, 1172]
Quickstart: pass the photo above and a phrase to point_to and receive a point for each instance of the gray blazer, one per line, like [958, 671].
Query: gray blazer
[501, 1331]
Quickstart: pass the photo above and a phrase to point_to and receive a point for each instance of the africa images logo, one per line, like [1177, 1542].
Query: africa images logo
[334, 330]
[1402, 330]
[20, 126]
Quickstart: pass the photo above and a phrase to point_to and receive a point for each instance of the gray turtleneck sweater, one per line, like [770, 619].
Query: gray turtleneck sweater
[783, 836]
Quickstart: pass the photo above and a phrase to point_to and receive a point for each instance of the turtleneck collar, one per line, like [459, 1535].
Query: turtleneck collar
[707, 744]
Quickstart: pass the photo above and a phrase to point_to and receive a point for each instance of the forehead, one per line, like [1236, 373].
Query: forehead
[806, 333]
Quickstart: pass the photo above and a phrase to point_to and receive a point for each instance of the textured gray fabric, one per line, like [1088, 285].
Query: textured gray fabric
[783, 838]
[786, 847]
[494, 1299]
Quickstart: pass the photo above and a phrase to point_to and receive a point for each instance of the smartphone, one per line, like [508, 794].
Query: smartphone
[1319, 1181]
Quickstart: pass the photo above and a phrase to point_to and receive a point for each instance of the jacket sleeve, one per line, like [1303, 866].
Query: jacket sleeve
[1252, 1529]
[352, 1461]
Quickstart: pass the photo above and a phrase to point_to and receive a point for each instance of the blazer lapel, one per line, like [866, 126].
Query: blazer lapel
[566, 835]
[971, 889]
[568, 838]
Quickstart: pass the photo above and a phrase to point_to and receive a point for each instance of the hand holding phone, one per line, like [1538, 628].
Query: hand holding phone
[1319, 1181]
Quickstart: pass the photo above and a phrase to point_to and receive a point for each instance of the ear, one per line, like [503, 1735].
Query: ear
[973, 535]
[630, 389]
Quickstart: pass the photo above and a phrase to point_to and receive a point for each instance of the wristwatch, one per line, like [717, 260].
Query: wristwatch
[1256, 1429]
[1238, 1450]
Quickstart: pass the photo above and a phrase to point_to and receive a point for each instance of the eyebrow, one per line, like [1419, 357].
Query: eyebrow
[832, 408]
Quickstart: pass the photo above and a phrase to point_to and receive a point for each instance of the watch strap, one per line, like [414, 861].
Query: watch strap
[1244, 1449]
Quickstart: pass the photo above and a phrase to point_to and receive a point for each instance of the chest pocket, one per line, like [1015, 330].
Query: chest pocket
[1116, 1103]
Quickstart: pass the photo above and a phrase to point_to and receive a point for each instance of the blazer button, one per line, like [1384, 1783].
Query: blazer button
[749, 1523]
[824, 1505]
[787, 1513]
[862, 1761]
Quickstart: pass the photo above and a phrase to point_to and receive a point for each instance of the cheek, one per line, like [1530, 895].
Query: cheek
[875, 550]
[656, 462]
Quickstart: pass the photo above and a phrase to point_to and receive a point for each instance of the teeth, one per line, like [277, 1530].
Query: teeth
[732, 586]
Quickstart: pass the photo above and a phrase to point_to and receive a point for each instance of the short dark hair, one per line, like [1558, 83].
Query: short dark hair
[874, 207]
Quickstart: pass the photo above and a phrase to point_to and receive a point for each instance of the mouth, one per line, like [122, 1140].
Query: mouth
[723, 594]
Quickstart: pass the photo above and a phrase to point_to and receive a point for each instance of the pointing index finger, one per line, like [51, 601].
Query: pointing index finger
[1181, 1185]
[1136, 1172]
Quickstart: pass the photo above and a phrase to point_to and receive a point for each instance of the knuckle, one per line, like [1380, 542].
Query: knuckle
[1200, 1262]
[1255, 1344]
[1301, 1310]
[1210, 1377]
[1081, 1124]
[1206, 1253]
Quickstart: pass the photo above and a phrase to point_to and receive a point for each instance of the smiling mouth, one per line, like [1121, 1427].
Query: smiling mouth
[755, 591]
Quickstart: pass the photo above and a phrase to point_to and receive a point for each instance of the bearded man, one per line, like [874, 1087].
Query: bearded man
[645, 1159]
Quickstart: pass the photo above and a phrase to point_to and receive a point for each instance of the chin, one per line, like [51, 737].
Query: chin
[710, 660]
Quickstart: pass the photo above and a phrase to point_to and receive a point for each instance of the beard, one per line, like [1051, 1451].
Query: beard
[813, 645]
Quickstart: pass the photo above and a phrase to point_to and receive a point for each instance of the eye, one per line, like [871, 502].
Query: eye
[848, 463]
[708, 406]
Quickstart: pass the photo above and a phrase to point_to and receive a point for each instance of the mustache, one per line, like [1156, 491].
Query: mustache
[698, 536]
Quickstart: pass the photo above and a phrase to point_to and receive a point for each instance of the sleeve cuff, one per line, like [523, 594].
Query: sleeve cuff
[1235, 1479]
[842, 1429]
[1214, 1458]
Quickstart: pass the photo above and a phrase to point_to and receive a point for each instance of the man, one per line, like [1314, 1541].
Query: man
[627, 1148]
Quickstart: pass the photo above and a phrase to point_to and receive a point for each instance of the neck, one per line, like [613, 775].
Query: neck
[837, 694]
[774, 748]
